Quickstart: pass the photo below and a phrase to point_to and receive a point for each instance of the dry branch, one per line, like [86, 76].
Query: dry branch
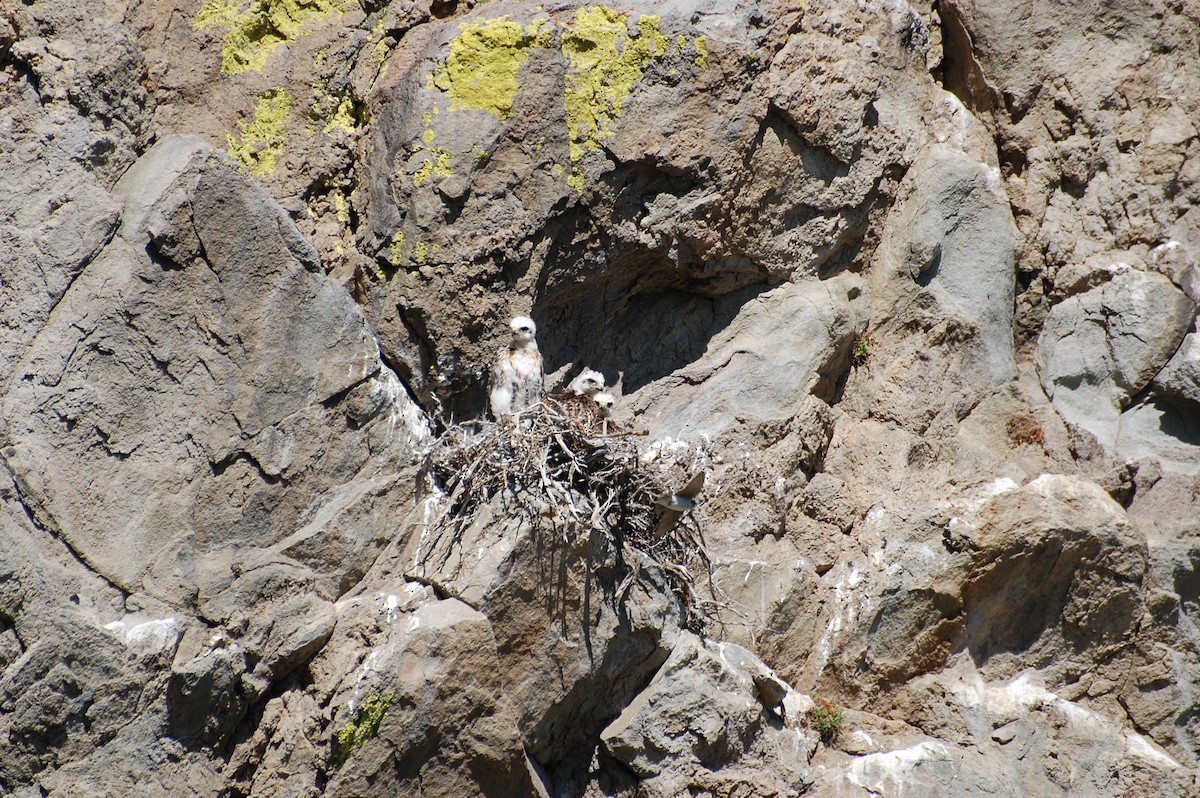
[569, 478]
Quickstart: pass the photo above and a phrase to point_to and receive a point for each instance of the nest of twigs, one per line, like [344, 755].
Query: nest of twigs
[573, 480]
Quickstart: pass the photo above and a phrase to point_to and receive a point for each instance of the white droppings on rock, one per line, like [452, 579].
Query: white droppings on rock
[429, 508]
[863, 738]
[1024, 695]
[144, 636]
[364, 671]
[750, 565]
[960, 526]
[875, 517]
[1003, 485]
[847, 605]
[889, 772]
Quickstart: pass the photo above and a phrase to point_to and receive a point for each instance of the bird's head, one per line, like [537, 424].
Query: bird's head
[604, 402]
[523, 329]
[588, 383]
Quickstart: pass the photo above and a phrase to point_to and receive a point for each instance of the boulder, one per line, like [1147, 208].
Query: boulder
[711, 720]
[171, 378]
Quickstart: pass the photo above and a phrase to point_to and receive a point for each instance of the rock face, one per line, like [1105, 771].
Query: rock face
[914, 284]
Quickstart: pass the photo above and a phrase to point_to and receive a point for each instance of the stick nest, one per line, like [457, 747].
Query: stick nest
[572, 485]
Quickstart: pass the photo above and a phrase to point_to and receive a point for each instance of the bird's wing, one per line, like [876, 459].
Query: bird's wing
[667, 523]
[537, 378]
[694, 486]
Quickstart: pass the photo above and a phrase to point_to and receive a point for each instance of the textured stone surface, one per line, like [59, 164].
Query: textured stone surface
[703, 724]
[1102, 347]
[914, 283]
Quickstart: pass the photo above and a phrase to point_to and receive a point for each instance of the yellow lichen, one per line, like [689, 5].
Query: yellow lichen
[437, 159]
[701, 44]
[340, 208]
[604, 63]
[342, 117]
[382, 48]
[575, 179]
[260, 141]
[363, 726]
[420, 252]
[396, 248]
[436, 165]
[481, 70]
[254, 32]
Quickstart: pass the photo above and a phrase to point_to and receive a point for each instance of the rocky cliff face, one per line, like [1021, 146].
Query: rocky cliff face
[915, 284]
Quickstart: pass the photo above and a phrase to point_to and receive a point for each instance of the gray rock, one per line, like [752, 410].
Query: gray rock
[1101, 347]
[168, 410]
[701, 725]
[1180, 378]
[783, 345]
[951, 234]
[205, 700]
[206, 478]
[443, 722]
[577, 650]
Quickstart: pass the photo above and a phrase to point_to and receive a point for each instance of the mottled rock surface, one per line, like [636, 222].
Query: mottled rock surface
[914, 283]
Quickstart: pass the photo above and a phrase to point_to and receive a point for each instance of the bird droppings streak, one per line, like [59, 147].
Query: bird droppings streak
[846, 608]
[364, 670]
[891, 772]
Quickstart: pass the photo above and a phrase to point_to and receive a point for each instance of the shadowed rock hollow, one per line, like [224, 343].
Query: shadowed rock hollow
[916, 284]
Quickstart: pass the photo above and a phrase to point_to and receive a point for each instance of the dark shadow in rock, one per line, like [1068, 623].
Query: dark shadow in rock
[1178, 420]
[818, 161]
[627, 309]
[960, 72]
[1186, 582]
[637, 334]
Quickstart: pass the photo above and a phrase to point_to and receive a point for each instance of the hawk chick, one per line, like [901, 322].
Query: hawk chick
[604, 403]
[588, 383]
[516, 382]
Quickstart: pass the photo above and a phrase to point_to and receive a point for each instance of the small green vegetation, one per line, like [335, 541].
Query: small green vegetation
[362, 727]
[825, 718]
[862, 350]
[254, 32]
[259, 142]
